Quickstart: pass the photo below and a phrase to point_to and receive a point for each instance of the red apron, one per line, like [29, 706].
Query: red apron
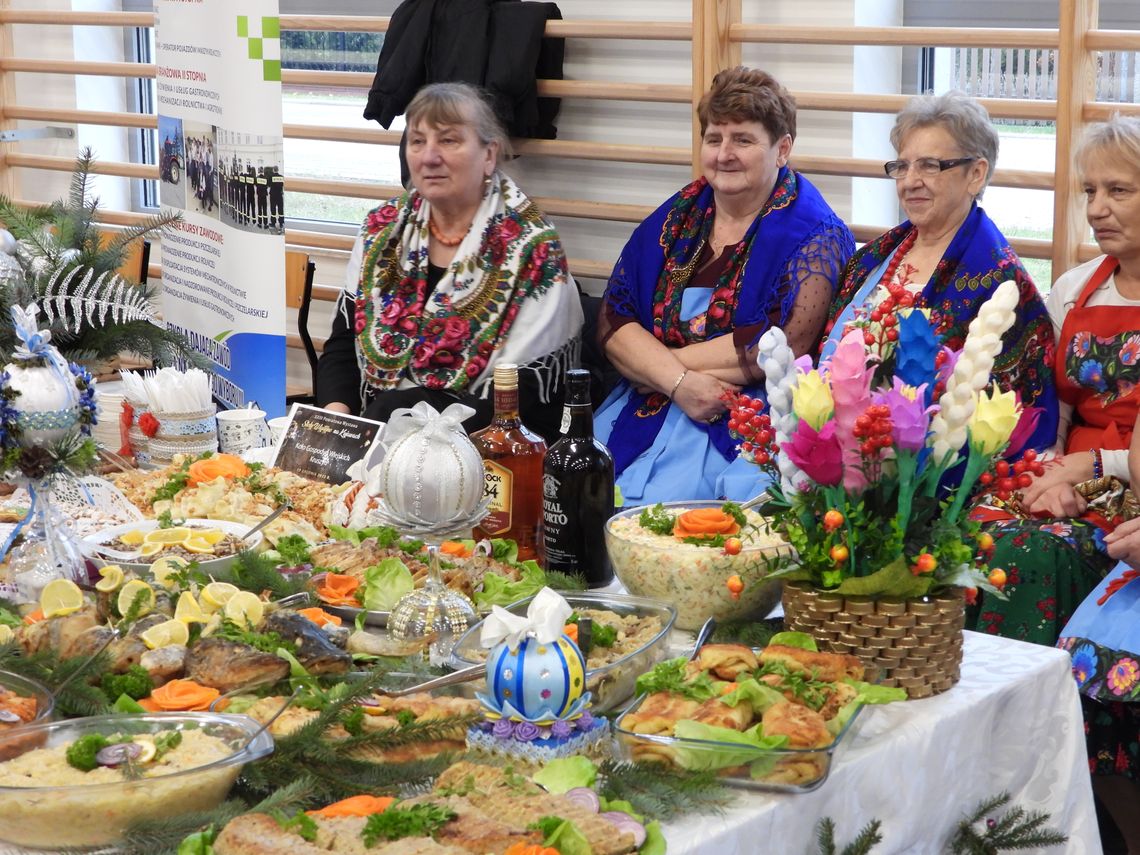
[1096, 368]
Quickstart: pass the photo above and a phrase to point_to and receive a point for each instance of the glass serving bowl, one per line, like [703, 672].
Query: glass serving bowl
[692, 578]
[25, 688]
[781, 770]
[612, 683]
[60, 810]
[141, 567]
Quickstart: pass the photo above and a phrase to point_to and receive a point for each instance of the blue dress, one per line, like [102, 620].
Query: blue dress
[656, 475]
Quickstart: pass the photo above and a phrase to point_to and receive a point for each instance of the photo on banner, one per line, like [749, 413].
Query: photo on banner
[218, 67]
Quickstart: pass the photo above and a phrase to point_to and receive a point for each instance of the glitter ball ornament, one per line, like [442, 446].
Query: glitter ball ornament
[536, 681]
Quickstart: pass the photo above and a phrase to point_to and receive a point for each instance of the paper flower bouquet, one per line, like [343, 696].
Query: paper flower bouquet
[875, 454]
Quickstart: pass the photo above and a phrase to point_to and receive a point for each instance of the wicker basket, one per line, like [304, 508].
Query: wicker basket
[915, 644]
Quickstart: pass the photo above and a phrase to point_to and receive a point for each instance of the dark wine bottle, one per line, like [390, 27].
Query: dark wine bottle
[577, 491]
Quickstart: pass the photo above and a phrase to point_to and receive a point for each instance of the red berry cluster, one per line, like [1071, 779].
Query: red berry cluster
[753, 427]
[874, 427]
[1006, 477]
[885, 316]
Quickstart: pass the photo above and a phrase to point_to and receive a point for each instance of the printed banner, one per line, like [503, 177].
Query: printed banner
[218, 68]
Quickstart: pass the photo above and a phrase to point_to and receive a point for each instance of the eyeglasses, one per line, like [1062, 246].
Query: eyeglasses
[924, 166]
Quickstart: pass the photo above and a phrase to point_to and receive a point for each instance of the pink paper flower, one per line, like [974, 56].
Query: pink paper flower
[818, 455]
[851, 391]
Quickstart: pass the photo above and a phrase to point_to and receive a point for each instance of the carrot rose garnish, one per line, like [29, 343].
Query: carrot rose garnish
[181, 696]
[354, 806]
[705, 522]
[216, 466]
[339, 589]
[319, 616]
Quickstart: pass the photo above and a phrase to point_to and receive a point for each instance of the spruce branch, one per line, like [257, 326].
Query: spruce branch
[661, 791]
[1016, 829]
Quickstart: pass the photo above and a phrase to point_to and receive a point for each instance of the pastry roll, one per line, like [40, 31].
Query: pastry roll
[658, 713]
[717, 713]
[804, 727]
[828, 667]
[727, 660]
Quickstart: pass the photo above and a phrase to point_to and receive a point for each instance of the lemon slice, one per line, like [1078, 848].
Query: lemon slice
[132, 538]
[188, 611]
[149, 549]
[60, 597]
[6, 633]
[165, 634]
[210, 535]
[245, 609]
[162, 568]
[149, 749]
[216, 595]
[178, 534]
[211, 626]
[111, 577]
[198, 544]
[131, 590]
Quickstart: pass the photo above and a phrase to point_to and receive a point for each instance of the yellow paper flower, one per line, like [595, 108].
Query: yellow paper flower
[811, 400]
[995, 416]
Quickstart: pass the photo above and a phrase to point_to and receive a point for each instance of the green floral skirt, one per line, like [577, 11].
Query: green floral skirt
[1051, 566]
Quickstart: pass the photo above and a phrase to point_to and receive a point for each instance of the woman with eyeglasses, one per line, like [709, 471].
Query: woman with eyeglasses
[948, 255]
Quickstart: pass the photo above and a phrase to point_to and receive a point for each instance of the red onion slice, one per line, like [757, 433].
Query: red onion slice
[116, 755]
[626, 823]
[367, 702]
[584, 797]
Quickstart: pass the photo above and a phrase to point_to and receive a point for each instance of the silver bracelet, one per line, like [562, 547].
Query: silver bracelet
[677, 384]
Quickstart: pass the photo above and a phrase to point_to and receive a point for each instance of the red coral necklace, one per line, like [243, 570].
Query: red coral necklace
[446, 240]
[897, 258]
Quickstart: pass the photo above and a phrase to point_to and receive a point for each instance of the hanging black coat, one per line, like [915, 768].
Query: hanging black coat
[497, 44]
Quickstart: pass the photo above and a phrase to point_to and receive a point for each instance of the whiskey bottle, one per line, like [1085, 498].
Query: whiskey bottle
[512, 469]
[577, 492]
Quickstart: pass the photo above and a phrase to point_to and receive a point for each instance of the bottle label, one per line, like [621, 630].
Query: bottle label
[555, 525]
[498, 484]
[565, 426]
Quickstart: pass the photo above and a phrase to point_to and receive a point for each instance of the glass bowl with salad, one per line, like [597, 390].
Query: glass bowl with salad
[620, 635]
[706, 558]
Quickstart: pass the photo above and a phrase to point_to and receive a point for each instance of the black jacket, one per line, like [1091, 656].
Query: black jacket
[497, 44]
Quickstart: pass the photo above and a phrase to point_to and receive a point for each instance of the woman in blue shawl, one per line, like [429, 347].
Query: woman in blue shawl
[748, 245]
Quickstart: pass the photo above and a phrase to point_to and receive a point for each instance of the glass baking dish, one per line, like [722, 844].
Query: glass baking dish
[614, 682]
[780, 770]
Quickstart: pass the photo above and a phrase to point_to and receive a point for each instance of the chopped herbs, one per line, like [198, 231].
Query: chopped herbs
[669, 676]
[396, 823]
[657, 520]
[164, 743]
[604, 635]
[176, 482]
[814, 693]
[267, 642]
[405, 717]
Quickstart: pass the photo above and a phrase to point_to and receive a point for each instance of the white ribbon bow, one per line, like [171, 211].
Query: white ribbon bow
[545, 619]
[34, 342]
[423, 416]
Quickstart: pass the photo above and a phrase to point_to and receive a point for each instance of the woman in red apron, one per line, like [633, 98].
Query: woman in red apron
[1057, 555]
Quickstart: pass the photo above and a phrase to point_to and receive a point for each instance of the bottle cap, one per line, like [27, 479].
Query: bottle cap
[506, 375]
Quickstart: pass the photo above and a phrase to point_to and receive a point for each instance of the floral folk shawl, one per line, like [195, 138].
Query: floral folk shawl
[978, 259]
[646, 285]
[506, 297]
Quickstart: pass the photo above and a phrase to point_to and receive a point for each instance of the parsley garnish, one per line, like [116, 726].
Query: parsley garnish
[814, 693]
[604, 636]
[421, 820]
[716, 540]
[267, 642]
[405, 717]
[736, 512]
[301, 823]
[164, 743]
[294, 550]
[656, 520]
[174, 484]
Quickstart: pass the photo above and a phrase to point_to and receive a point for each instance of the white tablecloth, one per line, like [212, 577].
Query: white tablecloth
[1012, 724]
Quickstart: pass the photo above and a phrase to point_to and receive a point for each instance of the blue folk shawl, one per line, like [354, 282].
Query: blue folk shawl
[756, 289]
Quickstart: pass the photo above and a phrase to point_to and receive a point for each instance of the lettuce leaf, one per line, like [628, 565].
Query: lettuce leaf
[504, 550]
[565, 836]
[385, 535]
[866, 693]
[501, 591]
[384, 584]
[794, 639]
[760, 696]
[739, 748]
[654, 840]
[565, 773]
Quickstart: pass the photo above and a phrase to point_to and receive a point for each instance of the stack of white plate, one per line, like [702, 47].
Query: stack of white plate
[109, 404]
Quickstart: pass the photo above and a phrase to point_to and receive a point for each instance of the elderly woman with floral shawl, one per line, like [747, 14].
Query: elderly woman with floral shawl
[457, 274]
[750, 244]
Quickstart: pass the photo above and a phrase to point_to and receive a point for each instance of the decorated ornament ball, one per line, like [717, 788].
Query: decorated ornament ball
[47, 406]
[540, 681]
[432, 474]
